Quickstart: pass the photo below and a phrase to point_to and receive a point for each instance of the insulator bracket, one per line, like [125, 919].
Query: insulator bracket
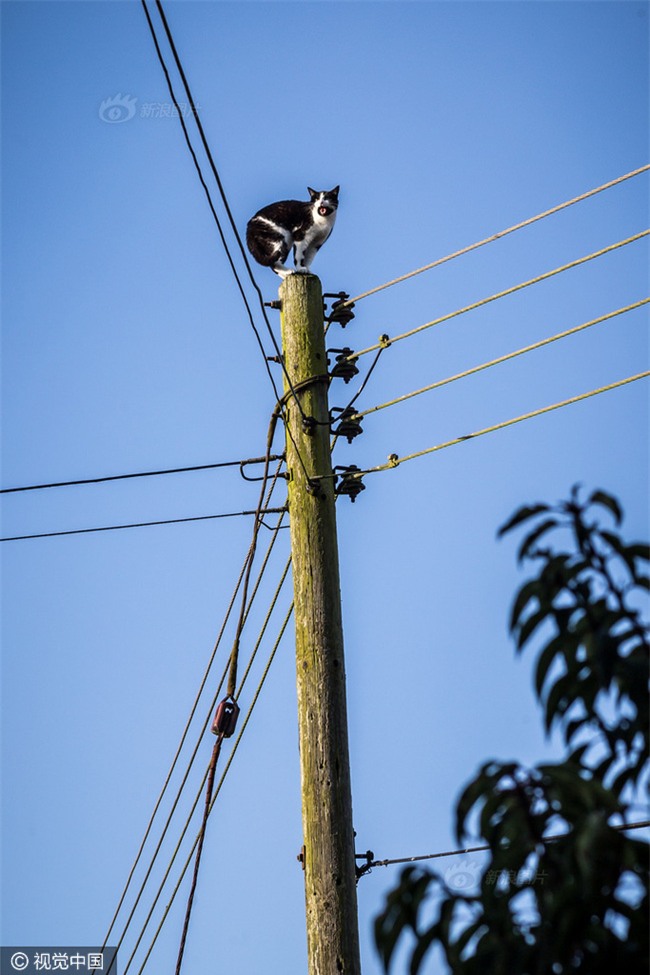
[349, 423]
[341, 309]
[345, 367]
[350, 485]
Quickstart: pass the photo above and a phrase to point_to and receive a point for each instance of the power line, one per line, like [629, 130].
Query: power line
[205, 187]
[394, 460]
[224, 199]
[386, 340]
[501, 233]
[173, 766]
[503, 358]
[208, 718]
[217, 178]
[123, 477]
[210, 772]
[476, 849]
[231, 690]
[212, 767]
[205, 724]
[142, 524]
[214, 798]
[222, 193]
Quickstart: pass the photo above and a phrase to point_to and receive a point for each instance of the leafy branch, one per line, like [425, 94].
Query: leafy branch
[584, 908]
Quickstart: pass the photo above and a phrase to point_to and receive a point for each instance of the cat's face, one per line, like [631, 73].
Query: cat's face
[325, 201]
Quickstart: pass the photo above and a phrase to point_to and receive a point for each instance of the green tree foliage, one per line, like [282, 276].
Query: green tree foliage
[577, 903]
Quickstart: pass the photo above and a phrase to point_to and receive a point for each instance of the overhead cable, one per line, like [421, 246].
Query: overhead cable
[215, 173]
[214, 798]
[222, 192]
[503, 358]
[210, 712]
[501, 233]
[141, 524]
[211, 774]
[205, 189]
[231, 689]
[170, 773]
[123, 477]
[394, 460]
[390, 340]
[623, 828]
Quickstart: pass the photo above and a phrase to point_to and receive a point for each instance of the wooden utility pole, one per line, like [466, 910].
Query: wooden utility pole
[328, 854]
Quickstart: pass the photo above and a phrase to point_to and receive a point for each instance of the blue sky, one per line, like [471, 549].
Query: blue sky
[126, 348]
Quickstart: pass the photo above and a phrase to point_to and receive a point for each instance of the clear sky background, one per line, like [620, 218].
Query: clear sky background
[126, 347]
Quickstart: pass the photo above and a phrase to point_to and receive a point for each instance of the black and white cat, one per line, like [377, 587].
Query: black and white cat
[276, 228]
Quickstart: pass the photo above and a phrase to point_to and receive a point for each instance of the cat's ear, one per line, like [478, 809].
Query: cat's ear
[335, 191]
[314, 194]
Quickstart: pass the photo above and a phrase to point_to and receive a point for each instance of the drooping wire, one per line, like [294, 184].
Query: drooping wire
[216, 751]
[211, 773]
[123, 477]
[142, 524]
[232, 677]
[499, 235]
[173, 766]
[504, 358]
[501, 294]
[365, 381]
